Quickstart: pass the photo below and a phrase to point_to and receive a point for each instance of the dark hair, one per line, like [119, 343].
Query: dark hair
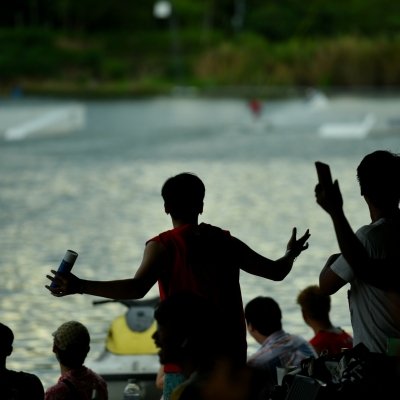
[6, 340]
[183, 194]
[314, 303]
[264, 314]
[194, 319]
[74, 356]
[379, 178]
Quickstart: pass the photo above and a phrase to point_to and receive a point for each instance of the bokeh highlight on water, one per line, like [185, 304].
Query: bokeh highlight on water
[98, 192]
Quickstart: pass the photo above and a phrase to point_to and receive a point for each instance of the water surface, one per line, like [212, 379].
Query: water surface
[98, 192]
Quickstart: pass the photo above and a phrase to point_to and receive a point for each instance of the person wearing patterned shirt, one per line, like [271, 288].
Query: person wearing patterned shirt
[278, 348]
[71, 346]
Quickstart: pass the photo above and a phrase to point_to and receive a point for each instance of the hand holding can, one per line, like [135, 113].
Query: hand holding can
[66, 265]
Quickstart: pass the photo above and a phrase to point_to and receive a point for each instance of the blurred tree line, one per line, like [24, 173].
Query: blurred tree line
[274, 19]
[236, 42]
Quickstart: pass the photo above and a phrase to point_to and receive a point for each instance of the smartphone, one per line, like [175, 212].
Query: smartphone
[324, 174]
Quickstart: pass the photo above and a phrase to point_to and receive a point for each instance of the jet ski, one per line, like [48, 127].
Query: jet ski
[130, 351]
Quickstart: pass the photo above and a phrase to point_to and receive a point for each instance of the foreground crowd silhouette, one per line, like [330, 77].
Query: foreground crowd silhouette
[201, 322]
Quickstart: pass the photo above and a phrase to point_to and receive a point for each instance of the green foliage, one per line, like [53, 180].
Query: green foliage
[346, 61]
[140, 61]
[29, 52]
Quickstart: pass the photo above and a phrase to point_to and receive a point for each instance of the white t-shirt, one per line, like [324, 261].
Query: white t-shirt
[374, 311]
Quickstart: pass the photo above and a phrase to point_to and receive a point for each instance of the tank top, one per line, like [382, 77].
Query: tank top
[202, 259]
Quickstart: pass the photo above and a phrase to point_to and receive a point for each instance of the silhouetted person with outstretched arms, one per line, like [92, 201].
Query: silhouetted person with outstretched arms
[197, 257]
[370, 258]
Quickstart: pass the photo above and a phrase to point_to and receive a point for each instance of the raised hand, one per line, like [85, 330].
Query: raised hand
[330, 199]
[66, 284]
[297, 246]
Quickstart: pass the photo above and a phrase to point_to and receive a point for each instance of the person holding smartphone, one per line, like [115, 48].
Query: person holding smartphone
[369, 258]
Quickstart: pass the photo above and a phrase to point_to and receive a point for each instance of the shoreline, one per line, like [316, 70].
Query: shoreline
[134, 89]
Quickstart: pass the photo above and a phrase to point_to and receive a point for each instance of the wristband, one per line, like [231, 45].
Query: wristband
[81, 286]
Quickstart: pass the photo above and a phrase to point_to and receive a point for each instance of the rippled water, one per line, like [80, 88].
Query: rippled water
[98, 192]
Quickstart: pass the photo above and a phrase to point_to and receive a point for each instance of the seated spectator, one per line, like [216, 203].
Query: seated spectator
[189, 337]
[315, 308]
[15, 385]
[278, 348]
[71, 346]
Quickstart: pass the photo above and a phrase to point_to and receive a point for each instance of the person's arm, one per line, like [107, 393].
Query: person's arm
[277, 270]
[329, 281]
[153, 263]
[352, 249]
[160, 378]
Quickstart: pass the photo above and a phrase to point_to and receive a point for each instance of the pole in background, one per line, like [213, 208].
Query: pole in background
[163, 10]
[238, 17]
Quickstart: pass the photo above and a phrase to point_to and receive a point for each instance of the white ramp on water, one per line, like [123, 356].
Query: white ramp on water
[19, 122]
[350, 130]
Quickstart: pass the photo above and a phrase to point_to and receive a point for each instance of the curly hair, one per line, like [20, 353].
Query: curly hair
[314, 303]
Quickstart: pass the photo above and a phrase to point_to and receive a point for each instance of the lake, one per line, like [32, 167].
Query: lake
[97, 191]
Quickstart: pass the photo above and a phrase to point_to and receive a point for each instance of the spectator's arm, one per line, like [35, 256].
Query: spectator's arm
[154, 261]
[352, 249]
[277, 270]
[160, 378]
[329, 281]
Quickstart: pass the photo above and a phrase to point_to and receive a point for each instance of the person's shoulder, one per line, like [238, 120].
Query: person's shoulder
[212, 228]
[57, 391]
[95, 375]
[25, 379]
[302, 345]
[377, 228]
[323, 338]
[367, 230]
[318, 338]
[299, 339]
[384, 232]
[98, 381]
[24, 382]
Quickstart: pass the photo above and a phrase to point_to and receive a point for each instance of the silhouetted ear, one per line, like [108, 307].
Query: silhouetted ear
[10, 351]
[250, 327]
[166, 209]
[201, 208]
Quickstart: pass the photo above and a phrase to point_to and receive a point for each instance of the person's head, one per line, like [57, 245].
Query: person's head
[186, 329]
[263, 315]
[6, 341]
[379, 178]
[71, 344]
[183, 196]
[314, 304]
